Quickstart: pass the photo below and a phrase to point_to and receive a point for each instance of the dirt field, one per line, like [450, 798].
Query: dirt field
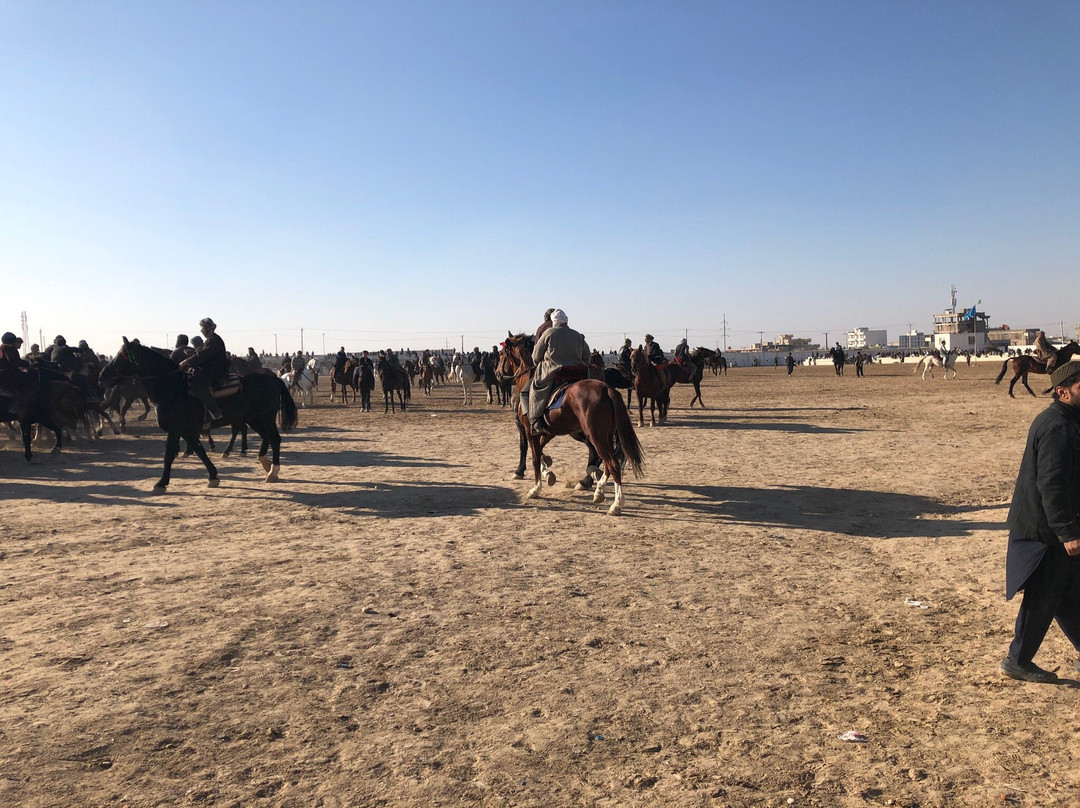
[392, 624]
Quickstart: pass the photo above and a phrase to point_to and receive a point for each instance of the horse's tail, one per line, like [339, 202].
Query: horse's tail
[289, 414]
[1004, 367]
[624, 429]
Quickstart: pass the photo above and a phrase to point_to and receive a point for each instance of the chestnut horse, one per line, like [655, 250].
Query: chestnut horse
[651, 384]
[1026, 363]
[589, 408]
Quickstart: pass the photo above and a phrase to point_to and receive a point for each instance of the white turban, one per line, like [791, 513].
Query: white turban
[558, 317]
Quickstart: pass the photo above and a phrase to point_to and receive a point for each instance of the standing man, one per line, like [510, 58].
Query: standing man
[1043, 556]
[558, 347]
[623, 362]
[790, 362]
[211, 363]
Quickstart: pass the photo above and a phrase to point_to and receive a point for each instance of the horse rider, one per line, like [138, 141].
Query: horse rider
[558, 347]
[1044, 351]
[653, 352]
[253, 360]
[297, 368]
[391, 358]
[33, 354]
[17, 380]
[623, 362]
[196, 343]
[425, 357]
[210, 363]
[544, 326]
[474, 359]
[182, 350]
[682, 358]
[339, 363]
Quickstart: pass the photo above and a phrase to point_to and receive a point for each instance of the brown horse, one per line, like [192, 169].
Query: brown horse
[1026, 363]
[651, 384]
[1021, 366]
[590, 409]
[346, 378]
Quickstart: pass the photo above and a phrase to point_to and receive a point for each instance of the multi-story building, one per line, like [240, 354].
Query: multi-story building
[866, 338]
[913, 341]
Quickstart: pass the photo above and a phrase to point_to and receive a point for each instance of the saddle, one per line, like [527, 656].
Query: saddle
[561, 381]
[230, 387]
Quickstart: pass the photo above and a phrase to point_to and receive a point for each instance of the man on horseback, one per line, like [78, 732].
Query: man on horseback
[544, 326]
[1044, 351]
[17, 381]
[253, 360]
[340, 358]
[297, 369]
[210, 363]
[558, 347]
[653, 352]
[182, 350]
[623, 362]
[474, 359]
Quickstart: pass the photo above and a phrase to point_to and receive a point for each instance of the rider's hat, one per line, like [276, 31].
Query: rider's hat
[59, 340]
[649, 337]
[206, 322]
[1065, 372]
[548, 313]
[8, 338]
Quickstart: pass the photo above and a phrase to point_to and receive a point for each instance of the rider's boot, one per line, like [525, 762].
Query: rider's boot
[202, 392]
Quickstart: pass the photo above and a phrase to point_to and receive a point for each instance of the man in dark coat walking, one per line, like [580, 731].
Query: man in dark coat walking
[1043, 556]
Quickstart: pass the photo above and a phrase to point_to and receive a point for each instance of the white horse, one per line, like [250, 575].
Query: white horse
[947, 362]
[305, 382]
[462, 371]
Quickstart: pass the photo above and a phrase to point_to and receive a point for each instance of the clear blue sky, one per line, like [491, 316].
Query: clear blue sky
[406, 173]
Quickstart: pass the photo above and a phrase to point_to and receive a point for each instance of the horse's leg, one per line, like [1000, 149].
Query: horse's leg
[537, 453]
[172, 449]
[523, 448]
[228, 449]
[211, 470]
[1025, 381]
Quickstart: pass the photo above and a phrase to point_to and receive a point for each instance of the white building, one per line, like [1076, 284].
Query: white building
[866, 338]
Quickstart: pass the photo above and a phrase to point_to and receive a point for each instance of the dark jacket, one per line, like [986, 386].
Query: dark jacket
[211, 357]
[656, 354]
[1045, 507]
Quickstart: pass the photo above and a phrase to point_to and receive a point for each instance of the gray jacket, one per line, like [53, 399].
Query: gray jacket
[559, 346]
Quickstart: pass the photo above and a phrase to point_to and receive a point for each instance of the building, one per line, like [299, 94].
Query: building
[956, 330]
[1004, 337]
[913, 341]
[866, 338]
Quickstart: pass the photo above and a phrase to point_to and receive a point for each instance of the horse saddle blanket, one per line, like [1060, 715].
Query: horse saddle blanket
[230, 387]
[558, 394]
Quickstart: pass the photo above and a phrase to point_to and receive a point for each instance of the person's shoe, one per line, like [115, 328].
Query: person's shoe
[215, 413]
[1026, 671]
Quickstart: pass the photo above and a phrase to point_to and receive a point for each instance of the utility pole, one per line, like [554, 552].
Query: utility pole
[726, 346]
[275, 346]
[324, 343]
[761, 347]
[301, 340]
[826, 340]
[1062, 324]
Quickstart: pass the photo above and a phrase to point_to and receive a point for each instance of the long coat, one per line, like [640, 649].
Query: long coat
[212, 357]
[1046, 501]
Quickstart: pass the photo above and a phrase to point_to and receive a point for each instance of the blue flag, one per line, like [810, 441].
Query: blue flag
[970, 313]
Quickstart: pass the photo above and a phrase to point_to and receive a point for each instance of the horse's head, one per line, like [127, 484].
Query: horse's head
[637, 356]
[516, 357]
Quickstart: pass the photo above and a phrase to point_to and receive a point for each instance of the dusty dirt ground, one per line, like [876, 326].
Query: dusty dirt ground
[392, 624]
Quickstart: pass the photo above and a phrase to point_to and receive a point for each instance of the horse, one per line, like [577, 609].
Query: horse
[122, 396]
[615, 378]
[463, 372]
[716, 363]
[393, 378]
[344, 378]
[698, 357]
[35, 412]
[589, 408]
[1024, 364]
[307, 381]
[427, 375]
[257, 403]
[651, 384]
[491, 381]
[933, 360]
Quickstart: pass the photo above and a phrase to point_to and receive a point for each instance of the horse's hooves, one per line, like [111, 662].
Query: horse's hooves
[614, 510]
[158, 489]
[214, 483]
[272, 477]
[264, 461]
[519, 476]
[55, 451]
[599, 496]
[243, 452]
[550, 478]
[224, 455]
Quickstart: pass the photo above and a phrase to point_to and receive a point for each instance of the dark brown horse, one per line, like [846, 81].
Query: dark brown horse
[345, 378]
[590, 409]
[1026, 363]
[651, 384]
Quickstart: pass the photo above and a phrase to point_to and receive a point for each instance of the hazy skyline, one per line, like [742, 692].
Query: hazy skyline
[418, 174]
